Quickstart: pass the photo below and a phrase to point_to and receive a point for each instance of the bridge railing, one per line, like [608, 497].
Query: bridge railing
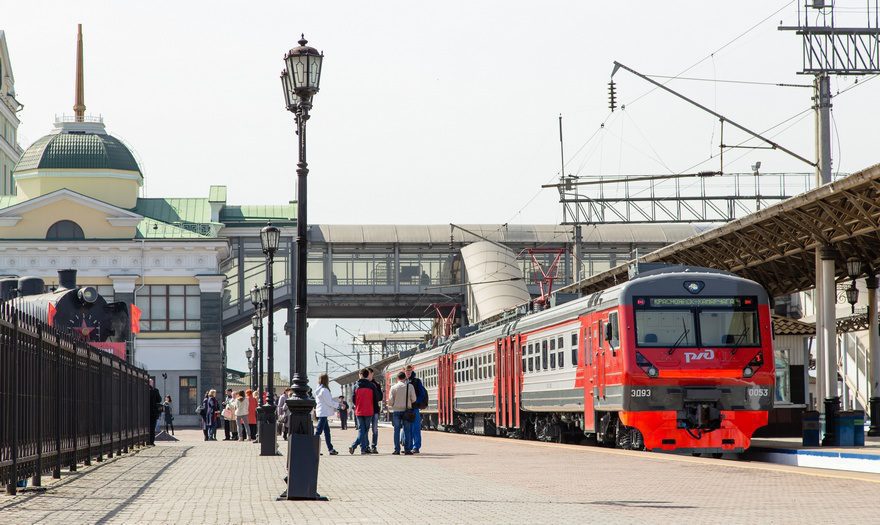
[62, 401]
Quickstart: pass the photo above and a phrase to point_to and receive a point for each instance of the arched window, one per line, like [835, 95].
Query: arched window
[65, 231]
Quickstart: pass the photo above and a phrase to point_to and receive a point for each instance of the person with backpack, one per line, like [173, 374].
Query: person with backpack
[343, 413]
[374, 422]
[400, 402]
[363, 399]
[420, 403]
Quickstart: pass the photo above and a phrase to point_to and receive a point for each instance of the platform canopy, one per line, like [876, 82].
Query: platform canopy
[776, 246]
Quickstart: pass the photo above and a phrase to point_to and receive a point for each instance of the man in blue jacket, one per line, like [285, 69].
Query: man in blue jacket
[421, 401]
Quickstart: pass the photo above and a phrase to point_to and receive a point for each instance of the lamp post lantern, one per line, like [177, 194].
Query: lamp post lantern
[269, 237]
[249, 354]
[300, 82]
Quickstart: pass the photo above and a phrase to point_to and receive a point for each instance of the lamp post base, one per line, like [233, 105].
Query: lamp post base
[874, 408]
[268, 442]
[832, 408]
[302, 452]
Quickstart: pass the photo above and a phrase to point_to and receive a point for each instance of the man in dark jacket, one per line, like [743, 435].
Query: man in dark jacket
[363, 399]
[374, 423]
[421, 400]
[155, 409]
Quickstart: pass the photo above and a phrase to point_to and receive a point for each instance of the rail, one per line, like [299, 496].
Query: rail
[62, 401]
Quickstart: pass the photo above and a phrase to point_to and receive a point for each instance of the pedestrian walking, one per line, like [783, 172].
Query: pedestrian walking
[228, 413]
[325, 407]
[252, 414]
[207, 412]
[364, 391]
[374, 421]
[281, 412]
[155, 409]
[169, 417]
[343, 412]
[401, 399]
[421, 402]
[241, 407]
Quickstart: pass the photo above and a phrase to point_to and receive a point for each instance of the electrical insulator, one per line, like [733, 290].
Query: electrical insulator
[612, 100]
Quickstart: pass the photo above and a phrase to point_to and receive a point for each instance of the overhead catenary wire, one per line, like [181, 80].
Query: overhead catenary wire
[712, 54]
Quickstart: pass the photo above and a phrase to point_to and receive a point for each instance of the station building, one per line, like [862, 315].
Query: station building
[75, 202]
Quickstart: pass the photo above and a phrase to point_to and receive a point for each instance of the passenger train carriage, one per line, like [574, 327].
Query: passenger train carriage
[675, 359]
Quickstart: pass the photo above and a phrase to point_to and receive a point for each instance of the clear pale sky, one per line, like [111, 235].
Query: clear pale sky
[428, 112]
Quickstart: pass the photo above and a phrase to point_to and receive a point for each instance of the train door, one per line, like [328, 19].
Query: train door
[508, 381]
[585, 371]
[598, 357]
[445, 390]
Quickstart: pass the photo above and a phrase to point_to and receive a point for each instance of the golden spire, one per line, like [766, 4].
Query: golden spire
[79, 106]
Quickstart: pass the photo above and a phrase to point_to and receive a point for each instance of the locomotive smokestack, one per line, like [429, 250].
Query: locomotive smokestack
[67, 279]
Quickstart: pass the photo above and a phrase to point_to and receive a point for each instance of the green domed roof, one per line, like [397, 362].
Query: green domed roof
[78, 150]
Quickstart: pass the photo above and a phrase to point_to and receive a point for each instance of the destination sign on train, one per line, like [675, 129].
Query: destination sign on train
[690, 302]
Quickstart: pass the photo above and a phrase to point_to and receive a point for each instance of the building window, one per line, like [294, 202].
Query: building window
[170, 308]
[65, 231]
[188, 395]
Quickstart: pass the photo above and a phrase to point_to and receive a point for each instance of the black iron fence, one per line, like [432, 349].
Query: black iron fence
[62, 401]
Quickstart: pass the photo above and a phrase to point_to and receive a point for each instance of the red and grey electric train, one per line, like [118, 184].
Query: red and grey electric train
[676, 359]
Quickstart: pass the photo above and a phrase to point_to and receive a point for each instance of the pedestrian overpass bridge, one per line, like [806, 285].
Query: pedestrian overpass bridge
[383, 271]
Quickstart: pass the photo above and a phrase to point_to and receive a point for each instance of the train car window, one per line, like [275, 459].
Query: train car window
[561, 359]
[574, 349]
[544, 354]
[574, 339]
[614, 340]
[560, 343]
[553, 344]
[531, 361]
[553, 361]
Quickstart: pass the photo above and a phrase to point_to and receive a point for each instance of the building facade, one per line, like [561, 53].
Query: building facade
[10, 151]
[76, 202]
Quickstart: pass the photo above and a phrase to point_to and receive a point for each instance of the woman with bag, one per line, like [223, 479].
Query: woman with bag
[169, 418]
[241, 406]
[324, 408]
[252, 414]
[206, 414]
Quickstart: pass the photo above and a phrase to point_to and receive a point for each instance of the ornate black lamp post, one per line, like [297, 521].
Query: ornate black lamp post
[269, 237]
[300, 81]
[249, 354]
[257, 322]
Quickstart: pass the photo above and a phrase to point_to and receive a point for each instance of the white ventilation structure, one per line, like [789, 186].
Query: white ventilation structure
[496, 280]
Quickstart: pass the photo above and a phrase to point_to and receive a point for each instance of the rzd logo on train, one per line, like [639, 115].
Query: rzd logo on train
[707, 355]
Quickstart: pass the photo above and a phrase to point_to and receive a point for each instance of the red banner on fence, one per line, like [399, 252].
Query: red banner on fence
[117, 349]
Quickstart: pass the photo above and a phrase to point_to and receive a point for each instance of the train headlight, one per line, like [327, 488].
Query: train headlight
[87, 294]
[748, 372]
[653, 372]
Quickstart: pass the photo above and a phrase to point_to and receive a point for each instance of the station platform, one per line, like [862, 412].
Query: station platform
[456, 479]
[790, 451]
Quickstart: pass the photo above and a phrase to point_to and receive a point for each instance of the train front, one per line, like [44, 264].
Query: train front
[698, 360]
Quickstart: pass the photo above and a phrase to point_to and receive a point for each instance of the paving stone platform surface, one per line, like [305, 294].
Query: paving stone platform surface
[456, 479]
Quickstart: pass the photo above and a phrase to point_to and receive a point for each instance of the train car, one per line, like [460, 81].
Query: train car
[79, 310]
[677, 359]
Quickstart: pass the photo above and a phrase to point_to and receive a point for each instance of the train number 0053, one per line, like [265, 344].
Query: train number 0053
[640, 392]
[759, 392]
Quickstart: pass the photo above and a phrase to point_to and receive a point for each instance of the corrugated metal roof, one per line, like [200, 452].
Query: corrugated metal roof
[217, 194]
[513, 233]
[78, 151]
[152, 229]
[258, 213]
[172, 210]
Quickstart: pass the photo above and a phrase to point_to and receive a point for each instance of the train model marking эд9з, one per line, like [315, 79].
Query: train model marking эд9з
[676, 359]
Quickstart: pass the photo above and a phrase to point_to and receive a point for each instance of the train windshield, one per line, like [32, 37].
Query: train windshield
[696, 321]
